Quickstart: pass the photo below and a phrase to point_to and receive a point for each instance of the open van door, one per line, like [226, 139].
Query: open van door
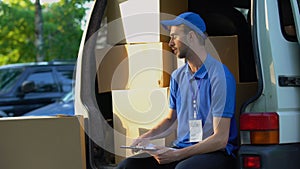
[85, 99]
[296, 12]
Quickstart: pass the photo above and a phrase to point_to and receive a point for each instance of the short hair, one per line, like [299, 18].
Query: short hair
[201, 39]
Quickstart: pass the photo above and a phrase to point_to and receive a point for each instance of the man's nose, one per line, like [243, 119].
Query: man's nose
[171, 42]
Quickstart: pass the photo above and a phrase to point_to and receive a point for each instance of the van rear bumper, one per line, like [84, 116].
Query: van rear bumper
[283, 156]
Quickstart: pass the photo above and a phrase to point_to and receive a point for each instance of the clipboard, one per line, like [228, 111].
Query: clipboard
[140, 148]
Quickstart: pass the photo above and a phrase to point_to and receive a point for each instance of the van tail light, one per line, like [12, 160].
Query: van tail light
[259, 128]
[251, 162]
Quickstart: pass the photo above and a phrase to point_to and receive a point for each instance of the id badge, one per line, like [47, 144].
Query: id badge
[196, 132]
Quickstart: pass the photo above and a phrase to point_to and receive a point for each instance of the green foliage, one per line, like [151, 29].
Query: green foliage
[17, 32]
[62, 30]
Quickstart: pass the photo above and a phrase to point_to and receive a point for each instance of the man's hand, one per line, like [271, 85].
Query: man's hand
[165, 155]
[139, 142]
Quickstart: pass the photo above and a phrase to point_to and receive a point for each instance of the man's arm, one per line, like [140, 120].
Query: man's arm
[215, 142]
[163, 129]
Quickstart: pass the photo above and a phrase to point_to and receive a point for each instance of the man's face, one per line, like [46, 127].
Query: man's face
[178, 41]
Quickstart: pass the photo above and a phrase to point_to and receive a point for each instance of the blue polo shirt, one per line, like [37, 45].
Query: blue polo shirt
[213, 87]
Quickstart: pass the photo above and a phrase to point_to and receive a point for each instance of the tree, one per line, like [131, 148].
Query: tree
[17, 32]
[38, 25]
[61, 30]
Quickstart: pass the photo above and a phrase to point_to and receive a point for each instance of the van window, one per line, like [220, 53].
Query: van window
[287, 20]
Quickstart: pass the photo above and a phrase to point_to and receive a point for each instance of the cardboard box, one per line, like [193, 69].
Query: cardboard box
[134, 66]
[136, 111]
[42, 142]
[137, 21]
[244, 91]
[225, 48]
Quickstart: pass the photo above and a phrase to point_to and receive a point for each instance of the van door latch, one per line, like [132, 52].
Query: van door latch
[292, 81]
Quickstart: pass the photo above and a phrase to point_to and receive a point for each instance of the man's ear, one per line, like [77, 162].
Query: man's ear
[191, 36]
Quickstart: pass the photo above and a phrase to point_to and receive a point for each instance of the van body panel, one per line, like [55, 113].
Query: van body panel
[289, 126]
[278, 57]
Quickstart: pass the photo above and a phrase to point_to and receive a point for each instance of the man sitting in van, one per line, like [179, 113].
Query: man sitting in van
[202, 102]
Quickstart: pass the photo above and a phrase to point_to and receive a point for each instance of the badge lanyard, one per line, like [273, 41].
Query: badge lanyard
[195, 125]
[194, 99]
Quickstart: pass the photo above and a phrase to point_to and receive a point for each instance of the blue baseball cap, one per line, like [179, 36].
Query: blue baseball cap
[190, 19]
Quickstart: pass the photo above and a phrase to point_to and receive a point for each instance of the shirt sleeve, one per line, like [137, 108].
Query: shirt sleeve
[230, 103]
[223, 92]
[173, 89]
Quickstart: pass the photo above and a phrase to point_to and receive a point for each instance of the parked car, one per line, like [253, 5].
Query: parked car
[28, 86]
[64, 106]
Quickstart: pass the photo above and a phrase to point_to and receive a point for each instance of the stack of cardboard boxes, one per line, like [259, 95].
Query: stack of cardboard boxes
[136, 67]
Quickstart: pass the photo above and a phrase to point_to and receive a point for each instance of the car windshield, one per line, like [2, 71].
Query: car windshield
[8, 77]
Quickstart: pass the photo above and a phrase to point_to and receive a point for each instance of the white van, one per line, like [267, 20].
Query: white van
[263, 38]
